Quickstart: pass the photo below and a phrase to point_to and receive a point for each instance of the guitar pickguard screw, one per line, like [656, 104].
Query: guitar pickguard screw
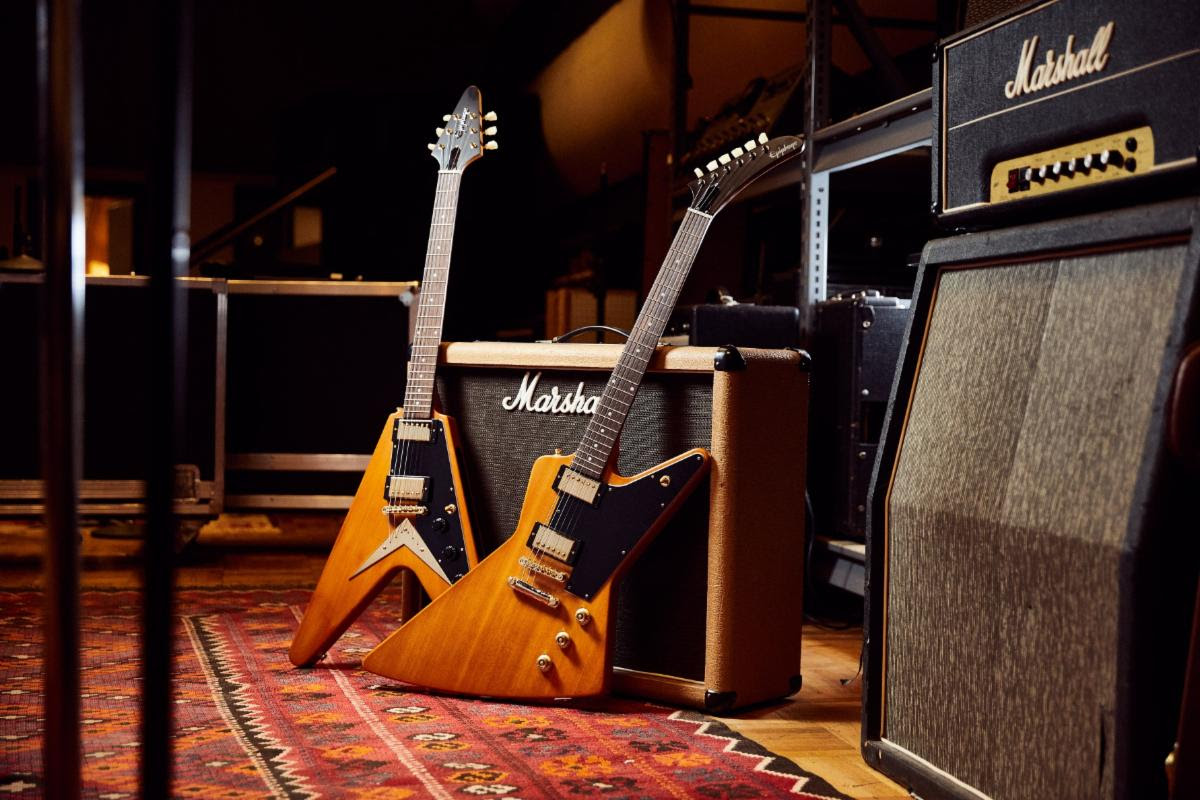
[664, 481]
[451, 509]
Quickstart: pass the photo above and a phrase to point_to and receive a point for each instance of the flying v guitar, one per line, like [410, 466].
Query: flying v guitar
[409, 511]
[532, 620]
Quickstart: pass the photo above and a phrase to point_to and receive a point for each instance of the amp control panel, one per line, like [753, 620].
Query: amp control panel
[1107, 158]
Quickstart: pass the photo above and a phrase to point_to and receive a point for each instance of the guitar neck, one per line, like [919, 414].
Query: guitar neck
[431, 301]
[604, 429]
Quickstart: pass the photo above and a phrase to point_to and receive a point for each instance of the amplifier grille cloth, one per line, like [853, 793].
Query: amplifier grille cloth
[1008, 509]
[672, 413]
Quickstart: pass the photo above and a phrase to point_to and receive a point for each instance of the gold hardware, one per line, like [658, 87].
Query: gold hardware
[664, 481]
[583, 616]
[562, 639]
[451, 509]
[544, 663]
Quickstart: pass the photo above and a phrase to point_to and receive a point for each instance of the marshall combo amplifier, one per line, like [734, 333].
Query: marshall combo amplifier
[710, 614]
[1032, 549]
[1086, 102]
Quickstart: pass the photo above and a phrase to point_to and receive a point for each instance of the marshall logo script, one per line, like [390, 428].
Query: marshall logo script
[1055, 70]
[552, 402]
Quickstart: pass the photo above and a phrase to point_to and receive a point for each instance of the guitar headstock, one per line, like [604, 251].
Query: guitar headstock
[723, 178]
[466, 133]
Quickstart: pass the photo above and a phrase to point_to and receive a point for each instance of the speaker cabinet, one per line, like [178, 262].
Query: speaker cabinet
[1031, 554]
[710, 614]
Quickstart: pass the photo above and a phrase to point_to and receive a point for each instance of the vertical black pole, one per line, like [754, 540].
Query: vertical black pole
[818, 31]
[681, 77]
[166, 250]
[61, 133]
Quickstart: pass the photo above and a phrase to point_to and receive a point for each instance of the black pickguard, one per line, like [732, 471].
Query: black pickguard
[609, 530]
[441, 531]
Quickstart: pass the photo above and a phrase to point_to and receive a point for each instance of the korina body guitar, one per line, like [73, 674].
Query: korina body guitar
[409, 511]
[533, 619]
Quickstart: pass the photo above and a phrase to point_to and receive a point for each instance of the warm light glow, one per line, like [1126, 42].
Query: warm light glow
[95, 267]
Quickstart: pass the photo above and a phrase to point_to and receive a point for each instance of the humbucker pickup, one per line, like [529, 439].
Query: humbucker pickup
[576, 485]
[412, 488]
[413, 431]
[552, 543]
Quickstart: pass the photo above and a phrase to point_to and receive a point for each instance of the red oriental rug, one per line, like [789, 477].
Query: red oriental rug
[247, 724]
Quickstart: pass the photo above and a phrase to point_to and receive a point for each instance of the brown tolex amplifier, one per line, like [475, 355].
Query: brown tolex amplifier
[710, 615]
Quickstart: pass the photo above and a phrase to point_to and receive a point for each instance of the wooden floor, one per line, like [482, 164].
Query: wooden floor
[818, 728]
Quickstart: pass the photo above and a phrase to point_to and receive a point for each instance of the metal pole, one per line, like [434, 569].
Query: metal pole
[166, 251]
[61, 129]
[815, 201]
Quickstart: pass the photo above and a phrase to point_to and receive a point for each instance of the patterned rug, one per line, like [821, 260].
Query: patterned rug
[247, 724]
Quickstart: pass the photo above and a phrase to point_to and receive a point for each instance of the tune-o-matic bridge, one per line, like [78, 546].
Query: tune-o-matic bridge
[547, 541]
[576, 485]
[408, 510]
[541, 569]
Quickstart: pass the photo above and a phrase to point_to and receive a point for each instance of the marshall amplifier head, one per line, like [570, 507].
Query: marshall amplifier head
[1068, 103]
[1031, 548]
[710, 614]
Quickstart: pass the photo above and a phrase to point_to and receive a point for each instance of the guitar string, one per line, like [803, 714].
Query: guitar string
[672, 276]
[670, 280]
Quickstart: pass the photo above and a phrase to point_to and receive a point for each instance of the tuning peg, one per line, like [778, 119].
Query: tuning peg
[439, 131]
[724, 158]
[699, 172]
[431, 146]
[491, 144]
[738, 152]
[762, 138]
[490, 117]
[711, 166]
[750, 145]
[489, 131]
[446, 118]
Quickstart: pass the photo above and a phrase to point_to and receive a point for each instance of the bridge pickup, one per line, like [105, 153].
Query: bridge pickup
[550, 542]
[410, 510]
[529, 590]
[413, 431]
[411, 488]
[580, 486]
[541, 569]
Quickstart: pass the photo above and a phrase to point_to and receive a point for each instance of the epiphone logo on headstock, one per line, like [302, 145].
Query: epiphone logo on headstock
[1055, 70]
[552, 402]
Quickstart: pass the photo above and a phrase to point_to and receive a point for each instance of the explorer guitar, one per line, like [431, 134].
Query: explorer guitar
[409, 511]
[532, 620]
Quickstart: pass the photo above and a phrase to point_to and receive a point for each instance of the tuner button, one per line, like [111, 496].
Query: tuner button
[431, 146]
[446, 118]
[490, 116]
[750, 145]
[544, 663]
[699, 172]
[725, 159]
[711, 166]
[439, 524]
[439, 131]
[489, 131]
[762, 138]
[491, 144]
[738, 152]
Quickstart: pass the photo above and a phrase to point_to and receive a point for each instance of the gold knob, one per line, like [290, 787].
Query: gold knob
[583, 616]
[544, 663]
[451, 509]
[562, 639]
[664, 481]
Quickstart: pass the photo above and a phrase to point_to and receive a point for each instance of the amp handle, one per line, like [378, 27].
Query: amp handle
[1183, 417]
[590, 328]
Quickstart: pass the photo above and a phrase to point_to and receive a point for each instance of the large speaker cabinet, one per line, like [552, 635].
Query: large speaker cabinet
[1032, 549]
[710, 614]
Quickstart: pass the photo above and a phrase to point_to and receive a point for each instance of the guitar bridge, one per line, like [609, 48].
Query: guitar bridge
[410, 510]
[529, 590]
[541, 569]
